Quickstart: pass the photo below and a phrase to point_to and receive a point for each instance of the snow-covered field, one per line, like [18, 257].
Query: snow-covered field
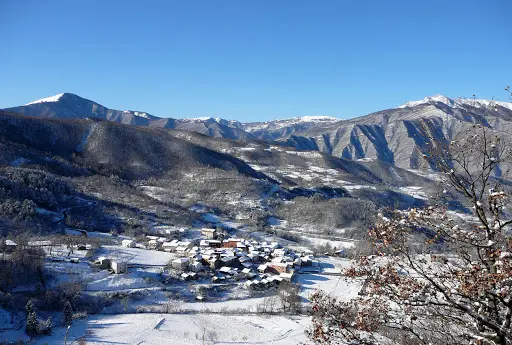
[157, 329]
[136, 256]
[335, 285]
[330, 280]
[333, 243]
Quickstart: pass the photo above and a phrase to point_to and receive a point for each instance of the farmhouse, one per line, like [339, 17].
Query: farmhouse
[170, 246]
[128, 243]
[154, 244]
[119, 266]
[180, 264]
[103, 262]
[208, 233]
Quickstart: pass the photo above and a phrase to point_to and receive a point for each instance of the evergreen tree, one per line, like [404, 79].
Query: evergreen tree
[29, 307]
[32, 327]
[46, 326]
[68, 314]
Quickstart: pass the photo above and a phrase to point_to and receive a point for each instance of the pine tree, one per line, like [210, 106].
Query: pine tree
[32, 327]
[68, 314]
[29, 307]
[47, 326]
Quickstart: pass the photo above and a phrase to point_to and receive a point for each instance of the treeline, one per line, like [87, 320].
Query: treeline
[41, 188]
[328, 213]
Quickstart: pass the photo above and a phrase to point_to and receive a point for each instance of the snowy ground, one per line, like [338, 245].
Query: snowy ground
[136, 256]
[330, 280]
[156, 329]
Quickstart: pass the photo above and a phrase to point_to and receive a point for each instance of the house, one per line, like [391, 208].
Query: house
[181, 250]
[154, 244]
[119, 266]
[214, 262]
[128, 243]
[10, 246]
[214, 243]
[208, 233]
[186, 276]
[196, 266]
[262, 268]
[255, 256]
[180, 264]
[226, 270]
[287, 276]
[103, 262]
[231, 242]
[278, 268]
[170, 246]
[228, 261]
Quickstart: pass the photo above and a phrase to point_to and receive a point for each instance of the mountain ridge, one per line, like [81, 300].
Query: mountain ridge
[399, 136]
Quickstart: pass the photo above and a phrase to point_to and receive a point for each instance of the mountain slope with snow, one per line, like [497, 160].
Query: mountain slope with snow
[400, 136]
[397, 136]
[278, 129]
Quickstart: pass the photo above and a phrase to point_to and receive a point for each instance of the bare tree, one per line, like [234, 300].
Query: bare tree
[457, 289]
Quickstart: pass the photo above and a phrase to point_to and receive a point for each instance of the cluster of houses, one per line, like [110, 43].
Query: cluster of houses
[263, 264]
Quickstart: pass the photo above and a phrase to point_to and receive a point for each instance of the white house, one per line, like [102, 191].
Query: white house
[208, 233]
[180, 263]
[196, 266]
[128, 243]
[119, 266]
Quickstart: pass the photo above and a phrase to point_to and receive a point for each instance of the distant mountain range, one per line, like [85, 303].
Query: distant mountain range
[397, 136]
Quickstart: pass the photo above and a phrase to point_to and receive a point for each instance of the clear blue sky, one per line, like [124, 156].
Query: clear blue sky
[254, 60]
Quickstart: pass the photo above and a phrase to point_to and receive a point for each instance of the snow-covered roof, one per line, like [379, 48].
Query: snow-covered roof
[181, 260]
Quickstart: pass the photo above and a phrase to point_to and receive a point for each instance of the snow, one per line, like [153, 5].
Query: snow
[414, 191]
[211, 218]
[337, 286]
[19, 161]
[111, 282]
[55, 98]
[456, 103]
[139, 114]
[276, 124]
[158, 193]
[333, 243]
[136, 256]
[357, 186]
[85, 137]
[179, 329]
[307, 154]
[330, 280]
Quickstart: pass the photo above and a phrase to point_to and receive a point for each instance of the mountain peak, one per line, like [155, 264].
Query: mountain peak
[429, 100]
[457, 103]
[50, 99]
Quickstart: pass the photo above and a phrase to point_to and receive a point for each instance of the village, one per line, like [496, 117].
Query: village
[259, 265]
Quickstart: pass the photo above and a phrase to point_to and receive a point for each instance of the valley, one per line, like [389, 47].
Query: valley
[200, 231]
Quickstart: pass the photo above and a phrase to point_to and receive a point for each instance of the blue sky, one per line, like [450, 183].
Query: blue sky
[254, 60]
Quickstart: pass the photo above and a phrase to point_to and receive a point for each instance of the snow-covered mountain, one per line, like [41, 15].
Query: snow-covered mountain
[68, 105]
[397, 136]
[277, 129]
[458, 102]
[400, 136]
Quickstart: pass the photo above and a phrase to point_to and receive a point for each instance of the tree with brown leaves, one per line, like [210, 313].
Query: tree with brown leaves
[458, 288]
